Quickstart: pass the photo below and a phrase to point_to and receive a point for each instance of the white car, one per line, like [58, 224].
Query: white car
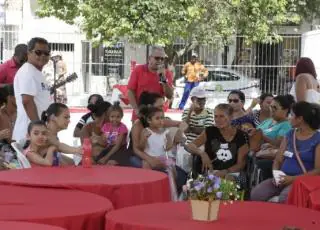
[218, 84]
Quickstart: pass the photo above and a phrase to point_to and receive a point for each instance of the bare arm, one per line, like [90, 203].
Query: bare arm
[275, 142]
[193, 147]
[135, 135]
[35, 158]
[205, 71]
[64, 147]
[168, 90]
[30, 107]
[77, 132]
[277, 163]
[301, 87]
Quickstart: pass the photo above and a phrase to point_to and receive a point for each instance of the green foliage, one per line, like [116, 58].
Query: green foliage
[195, 21]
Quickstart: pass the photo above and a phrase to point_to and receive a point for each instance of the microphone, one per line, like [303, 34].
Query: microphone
[162, 77]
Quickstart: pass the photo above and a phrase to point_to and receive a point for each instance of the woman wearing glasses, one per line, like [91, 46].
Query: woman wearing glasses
[240, 118]
[266, 139]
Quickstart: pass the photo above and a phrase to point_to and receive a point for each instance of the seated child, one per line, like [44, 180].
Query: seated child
[38, 152]
[115, 138]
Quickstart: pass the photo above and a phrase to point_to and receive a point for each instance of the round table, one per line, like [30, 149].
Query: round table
[315, 200]
[72, 210]
[236, 216]
[121, 185]
[300, 190]
[26, 226]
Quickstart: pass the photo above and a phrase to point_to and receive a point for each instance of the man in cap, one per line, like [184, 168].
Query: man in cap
[194, 72]
[197, 116]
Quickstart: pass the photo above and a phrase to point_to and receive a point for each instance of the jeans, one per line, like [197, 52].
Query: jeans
[266, 190]
[187, 89]
[181, 174]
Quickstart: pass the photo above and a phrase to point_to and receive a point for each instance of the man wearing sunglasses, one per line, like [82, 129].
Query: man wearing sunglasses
[151, 77]
[9, 68]
[194, 72]
[32, 91]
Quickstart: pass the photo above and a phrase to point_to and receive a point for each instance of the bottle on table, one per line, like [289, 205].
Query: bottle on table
[87, 153]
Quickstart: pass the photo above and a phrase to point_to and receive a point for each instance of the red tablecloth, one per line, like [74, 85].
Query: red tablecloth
[301, 189]
[11, 225]
[72, 210]
[122, 186]
[315, 200]
[237, 216]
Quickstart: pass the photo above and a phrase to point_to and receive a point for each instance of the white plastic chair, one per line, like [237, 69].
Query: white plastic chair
[24, 162]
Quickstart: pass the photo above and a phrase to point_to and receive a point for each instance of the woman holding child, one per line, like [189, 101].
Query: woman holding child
[108, 134]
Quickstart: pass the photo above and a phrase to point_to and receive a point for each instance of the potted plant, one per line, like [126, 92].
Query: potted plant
[206, 192]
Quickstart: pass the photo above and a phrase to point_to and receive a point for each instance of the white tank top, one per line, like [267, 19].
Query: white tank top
[312, 95]
[156, 144]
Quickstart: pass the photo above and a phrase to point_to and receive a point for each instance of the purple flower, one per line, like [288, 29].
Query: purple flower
[219, 195]
[217, 183]
[199, 186]
[211, 177]
[210, 189]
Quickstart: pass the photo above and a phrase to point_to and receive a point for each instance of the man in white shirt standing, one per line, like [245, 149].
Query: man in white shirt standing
[32, 92]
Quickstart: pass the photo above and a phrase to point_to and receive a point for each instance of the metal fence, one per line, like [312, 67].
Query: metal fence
[272, 65]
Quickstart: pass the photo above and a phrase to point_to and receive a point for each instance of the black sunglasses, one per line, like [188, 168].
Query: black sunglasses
[41, 52]
[233, 100]
[158, 58]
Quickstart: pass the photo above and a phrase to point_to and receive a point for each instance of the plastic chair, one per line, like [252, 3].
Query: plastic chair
[24, 162]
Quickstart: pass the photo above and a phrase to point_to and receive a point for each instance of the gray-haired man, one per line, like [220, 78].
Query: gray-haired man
[151, 77]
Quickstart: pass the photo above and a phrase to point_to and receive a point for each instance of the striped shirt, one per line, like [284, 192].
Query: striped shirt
[201, 120]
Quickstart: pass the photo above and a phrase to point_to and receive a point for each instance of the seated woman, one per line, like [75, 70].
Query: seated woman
[266, 139]
[38, 152]
[8, 112]
[57, 118]
[226, 147]
[240, 118]
[299, 153]
[93, 129]
[114, 136]
[264, 113]
[87, 118]
[272, 130]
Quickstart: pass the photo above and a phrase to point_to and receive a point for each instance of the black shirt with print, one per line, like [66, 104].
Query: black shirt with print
[224, 154]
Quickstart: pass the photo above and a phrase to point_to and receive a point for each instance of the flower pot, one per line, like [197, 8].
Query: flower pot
[205, 210]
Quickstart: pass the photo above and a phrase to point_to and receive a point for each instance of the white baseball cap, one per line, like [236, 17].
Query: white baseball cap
[198, 92]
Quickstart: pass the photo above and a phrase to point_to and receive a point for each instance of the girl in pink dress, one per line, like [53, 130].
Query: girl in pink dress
[115, 136]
